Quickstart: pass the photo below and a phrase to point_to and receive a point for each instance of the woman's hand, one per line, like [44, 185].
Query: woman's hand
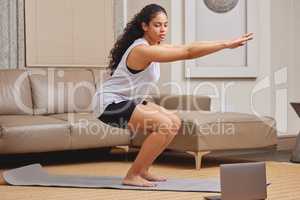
[239, 41]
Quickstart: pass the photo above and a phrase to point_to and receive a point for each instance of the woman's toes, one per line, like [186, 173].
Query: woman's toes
[137, 181]
[151, 177]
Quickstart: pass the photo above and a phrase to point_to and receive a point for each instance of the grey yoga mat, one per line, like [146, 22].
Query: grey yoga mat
[35, 175]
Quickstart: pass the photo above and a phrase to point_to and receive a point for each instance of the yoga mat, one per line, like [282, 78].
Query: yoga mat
[35, 175]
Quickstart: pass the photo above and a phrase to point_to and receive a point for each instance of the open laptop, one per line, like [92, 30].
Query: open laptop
[296, 151]
[245, 181]
[296, 107]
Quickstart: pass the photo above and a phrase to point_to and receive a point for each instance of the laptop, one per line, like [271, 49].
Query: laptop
[296, 107]
[245, 181]
[296, 151]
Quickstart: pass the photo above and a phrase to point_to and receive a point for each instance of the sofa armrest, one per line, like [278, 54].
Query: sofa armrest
[183, 102]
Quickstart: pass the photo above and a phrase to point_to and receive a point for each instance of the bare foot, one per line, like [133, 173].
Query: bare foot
[151, 177]
[137, 180]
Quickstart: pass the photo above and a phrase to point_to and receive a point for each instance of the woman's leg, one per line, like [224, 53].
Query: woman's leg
[177, 121]
[163, 131]
[169, 113]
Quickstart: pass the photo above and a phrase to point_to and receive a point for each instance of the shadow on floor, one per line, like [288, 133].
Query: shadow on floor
[169, 158]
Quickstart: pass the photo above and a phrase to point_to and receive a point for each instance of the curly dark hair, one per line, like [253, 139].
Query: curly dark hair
[132, 31]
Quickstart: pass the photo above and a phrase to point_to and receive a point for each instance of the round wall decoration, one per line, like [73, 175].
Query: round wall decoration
[221, 6]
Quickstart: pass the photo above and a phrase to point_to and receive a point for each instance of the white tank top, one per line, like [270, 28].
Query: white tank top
[125, 85]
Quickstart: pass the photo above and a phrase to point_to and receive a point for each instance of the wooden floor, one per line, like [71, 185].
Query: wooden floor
[284, 176]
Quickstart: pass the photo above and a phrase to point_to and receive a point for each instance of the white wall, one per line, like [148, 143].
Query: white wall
[295, 91]
[285, 28]
[296, 79]
[239, 93]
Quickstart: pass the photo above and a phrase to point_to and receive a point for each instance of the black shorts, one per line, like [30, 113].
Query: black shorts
[118, 114]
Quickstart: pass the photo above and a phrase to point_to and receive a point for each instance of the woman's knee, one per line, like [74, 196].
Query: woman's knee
[169, 126]
[177, 121]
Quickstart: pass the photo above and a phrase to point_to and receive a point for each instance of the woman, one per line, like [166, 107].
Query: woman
[134, 65]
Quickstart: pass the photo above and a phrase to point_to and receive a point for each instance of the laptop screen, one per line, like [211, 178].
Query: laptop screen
[246, 181]
[243, 181]
[296, 107]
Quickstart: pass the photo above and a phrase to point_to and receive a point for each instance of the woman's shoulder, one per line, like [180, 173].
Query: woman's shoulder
[137, 42]
[140, 40]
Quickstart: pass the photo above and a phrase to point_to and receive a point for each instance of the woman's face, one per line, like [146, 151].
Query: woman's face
[157, 28]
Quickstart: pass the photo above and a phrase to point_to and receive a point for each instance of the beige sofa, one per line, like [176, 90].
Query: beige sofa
[50, 110]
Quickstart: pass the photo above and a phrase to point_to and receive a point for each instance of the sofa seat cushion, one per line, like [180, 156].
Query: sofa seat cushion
[24, 134]
[89, 132]
[205, 131]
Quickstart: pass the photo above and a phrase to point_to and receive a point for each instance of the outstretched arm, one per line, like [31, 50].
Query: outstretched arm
[168, 53]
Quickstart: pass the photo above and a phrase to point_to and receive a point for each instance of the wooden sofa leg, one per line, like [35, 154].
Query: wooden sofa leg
[198, 158]
[125, 149]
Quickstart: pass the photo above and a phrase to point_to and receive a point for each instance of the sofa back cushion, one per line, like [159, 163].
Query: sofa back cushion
[57, 91]
[15, 92]
[183, 102]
